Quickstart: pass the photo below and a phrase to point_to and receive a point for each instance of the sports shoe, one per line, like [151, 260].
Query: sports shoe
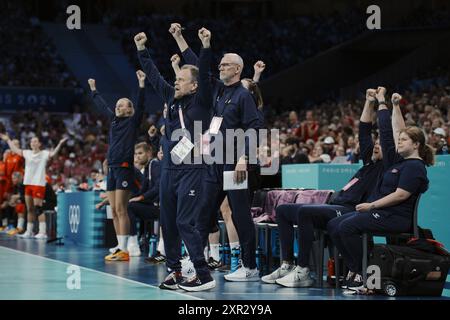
[356, 283]
[27, 234]
[119, 255]
[41, 236]
[114, 249]
[298, 277]
[171, 281]
[134, 251]
[348, 279]
[243, 274]
[157, 258]
[214, 264]
[187, 267]
[195, 284]
[3, 228]
[277, 274]
[15, 231]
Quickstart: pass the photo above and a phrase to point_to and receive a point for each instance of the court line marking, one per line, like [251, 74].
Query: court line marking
[101, 272]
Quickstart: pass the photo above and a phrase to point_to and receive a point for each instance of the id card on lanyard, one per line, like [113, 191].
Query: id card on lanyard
[184, 146]
[217, 120]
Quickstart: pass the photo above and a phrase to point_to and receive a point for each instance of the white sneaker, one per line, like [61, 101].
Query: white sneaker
[277, 274]
[41, 236]
[187, 268]
[243, 274]
[27, 234]
[298, 277]
[134, 251]
[112, 250]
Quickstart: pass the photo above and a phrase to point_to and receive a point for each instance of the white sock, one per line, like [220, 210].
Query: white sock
[42, 228]
[5, 222]
[123, 239]
[161, 246]
[133, 241]
[234, 245]
[20, 223]
[206, 253]
[215, 251]
[117, 237]
[30, 227]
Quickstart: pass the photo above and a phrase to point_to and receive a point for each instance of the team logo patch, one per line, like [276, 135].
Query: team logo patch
[124, 184]
[394, 170]
[192, 193]
[338, 213]
[376, 215]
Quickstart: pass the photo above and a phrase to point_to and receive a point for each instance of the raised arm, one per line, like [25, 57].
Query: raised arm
[11, 145]
[205, 87]
[385, 127]
[98, 99]
[55, 151]
[365, 127]
[188, 55]
[398, 123]
[259, 67]
[175, 61]
[162, 88]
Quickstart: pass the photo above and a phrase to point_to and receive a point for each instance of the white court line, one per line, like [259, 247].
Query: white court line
[101, 272]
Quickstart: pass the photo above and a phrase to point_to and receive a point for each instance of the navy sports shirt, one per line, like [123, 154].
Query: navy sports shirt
[196, 106]
[123, 131]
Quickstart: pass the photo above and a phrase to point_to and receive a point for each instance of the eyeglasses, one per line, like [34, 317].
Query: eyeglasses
[226, 65]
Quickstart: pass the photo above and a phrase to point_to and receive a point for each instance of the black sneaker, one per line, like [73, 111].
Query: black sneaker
[348, 279]
[157, 258]
[172, 280]
[196, 284]
[214, 264]
[356, 283]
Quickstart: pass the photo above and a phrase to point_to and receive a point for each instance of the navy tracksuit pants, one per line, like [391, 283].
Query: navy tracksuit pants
[307, 217]
[142, 211]
[346, 231]
[180, 194]
[240, 207]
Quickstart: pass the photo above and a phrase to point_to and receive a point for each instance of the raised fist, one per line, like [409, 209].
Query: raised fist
[91, 83]
[381, 92]
[175, 29]
[140, 75]
[396, 99]
[259, 66]
[370, 94]
[152, 131]
[205, 36]
[175, 59]
[140, 39]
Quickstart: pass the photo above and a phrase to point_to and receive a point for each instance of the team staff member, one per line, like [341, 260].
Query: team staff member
[144, 204]
[310, 217]
[125, 123]
[189, 101]
[34, 181]
[390, 206]
[237, 109]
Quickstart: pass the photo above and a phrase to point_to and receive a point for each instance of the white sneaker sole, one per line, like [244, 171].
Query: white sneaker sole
[300, 284]
[269, 281]
[231, 279]
[203, 287]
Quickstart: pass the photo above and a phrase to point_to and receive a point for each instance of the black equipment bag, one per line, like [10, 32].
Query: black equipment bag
[407, 270]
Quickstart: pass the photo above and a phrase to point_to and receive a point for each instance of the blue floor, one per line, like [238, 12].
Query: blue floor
[32, 269]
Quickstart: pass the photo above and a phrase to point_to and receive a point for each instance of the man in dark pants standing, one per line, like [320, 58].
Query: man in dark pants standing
[190, 100]
[144, 206]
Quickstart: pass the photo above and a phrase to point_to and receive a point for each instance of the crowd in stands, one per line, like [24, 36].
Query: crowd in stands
[29, 58]
[286, 42]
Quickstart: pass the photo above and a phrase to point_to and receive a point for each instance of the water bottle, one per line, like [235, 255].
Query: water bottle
[235, 253]
[226, 254]
[152, 246]
[183, 249]
[259, 259]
